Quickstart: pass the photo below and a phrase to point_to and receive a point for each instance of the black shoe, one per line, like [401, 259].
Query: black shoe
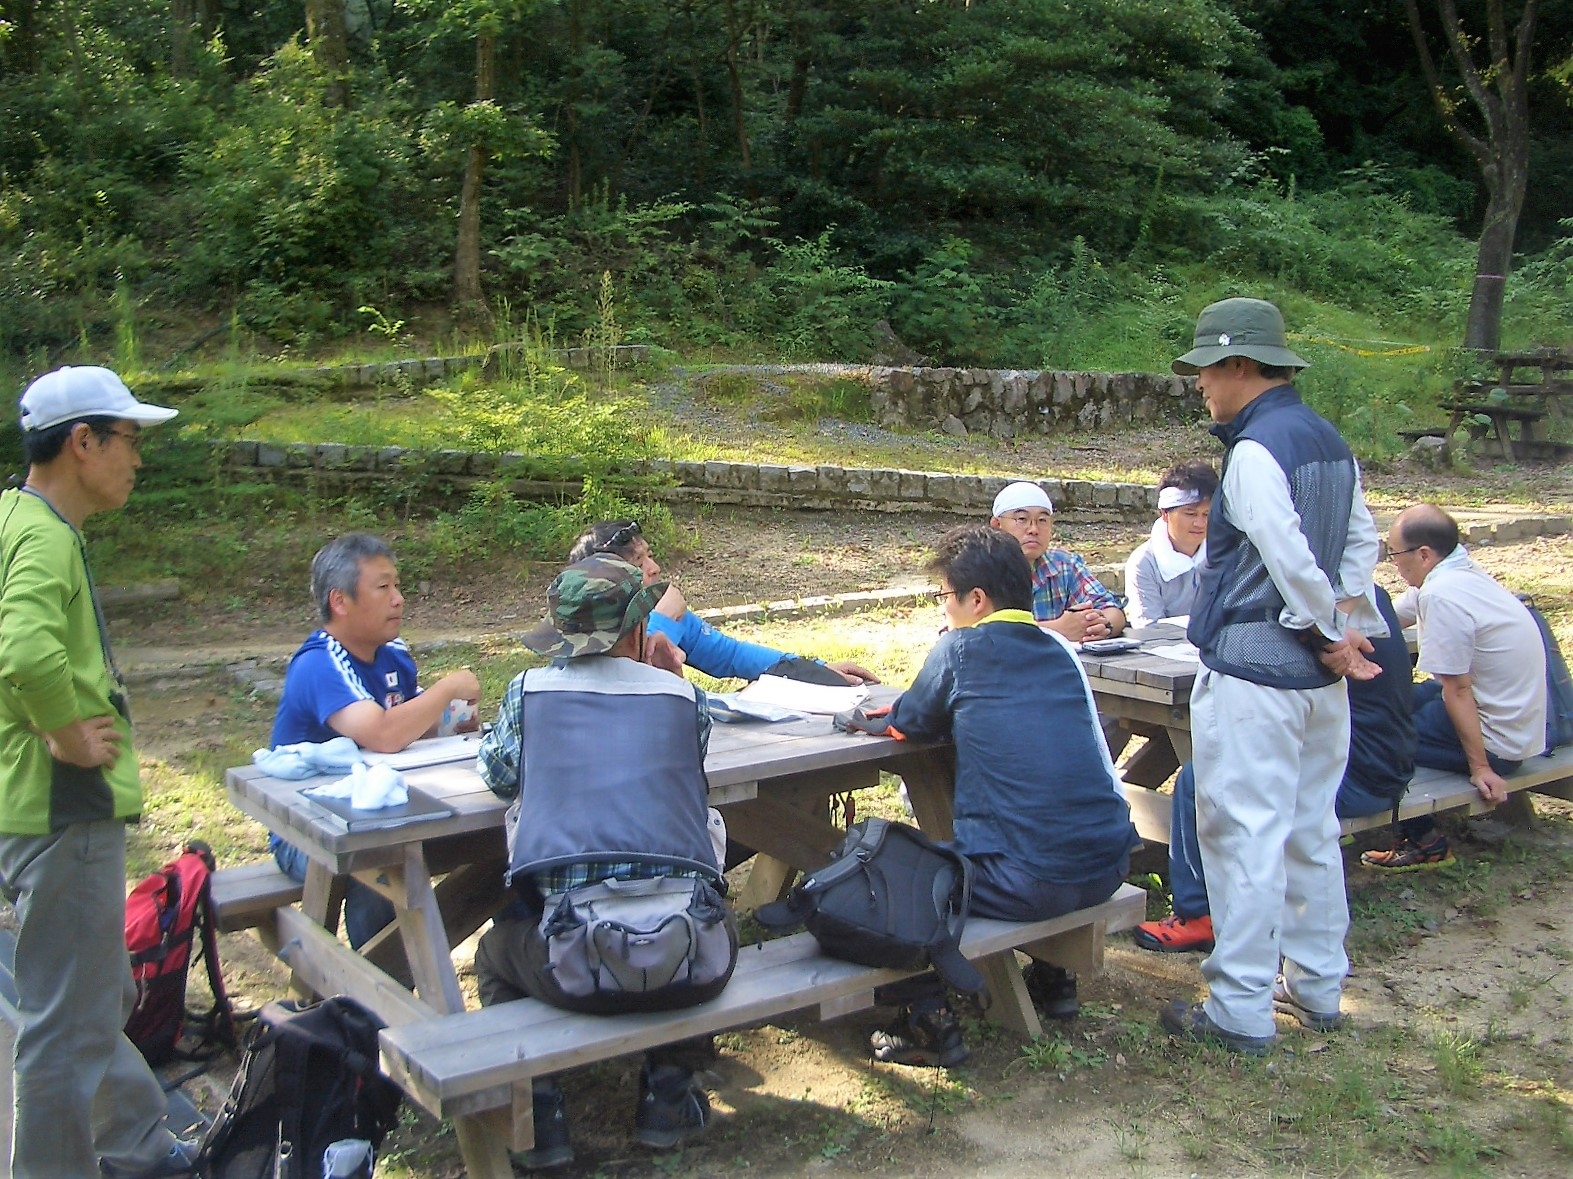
[1052, 990]
[672, 1107]
[930, 1039]
[551, 1148]
[1190, 1021]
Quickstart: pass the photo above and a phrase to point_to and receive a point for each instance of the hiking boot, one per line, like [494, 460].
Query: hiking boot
[1052, 990]
[1176, 934]
[928, 1039]
[1405, 856]
[1190, 1021]
[671, 1107]
[181, 1160]
[1315, 1021]
[551, 1148]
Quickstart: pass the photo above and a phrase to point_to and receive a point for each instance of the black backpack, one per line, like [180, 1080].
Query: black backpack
[309, 1078]
[1559, 686]
[889, 898]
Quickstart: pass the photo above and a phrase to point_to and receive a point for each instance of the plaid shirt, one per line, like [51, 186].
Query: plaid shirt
[1061, 580]
[497, 762]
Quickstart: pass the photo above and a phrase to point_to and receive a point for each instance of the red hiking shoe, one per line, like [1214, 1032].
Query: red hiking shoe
[1175, 935]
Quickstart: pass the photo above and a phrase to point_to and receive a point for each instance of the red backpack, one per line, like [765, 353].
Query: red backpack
[164, 914]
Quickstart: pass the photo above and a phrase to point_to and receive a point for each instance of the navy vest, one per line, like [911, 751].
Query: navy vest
[1235, 621]
[609, 767]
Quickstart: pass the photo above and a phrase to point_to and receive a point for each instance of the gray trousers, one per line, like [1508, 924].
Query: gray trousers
[83, 1091]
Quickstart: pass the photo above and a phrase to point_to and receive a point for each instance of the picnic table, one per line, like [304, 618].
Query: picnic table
[443, 872]
[1512, 401]
[773, 783]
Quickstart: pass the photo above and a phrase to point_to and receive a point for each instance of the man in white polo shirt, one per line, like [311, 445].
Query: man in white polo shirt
[1484, 709]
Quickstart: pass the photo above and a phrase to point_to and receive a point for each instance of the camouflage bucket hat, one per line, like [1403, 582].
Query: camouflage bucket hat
[593, 603]
[1238, 327]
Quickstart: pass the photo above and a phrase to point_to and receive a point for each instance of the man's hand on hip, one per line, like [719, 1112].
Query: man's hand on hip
[87, 743]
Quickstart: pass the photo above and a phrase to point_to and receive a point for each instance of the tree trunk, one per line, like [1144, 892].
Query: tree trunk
[1500, 94]
[734, 34]
[1494, 258]
[467, 295]
[328, 37]
[182, 27]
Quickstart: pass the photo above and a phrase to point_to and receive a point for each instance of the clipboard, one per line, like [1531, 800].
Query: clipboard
[421, 808]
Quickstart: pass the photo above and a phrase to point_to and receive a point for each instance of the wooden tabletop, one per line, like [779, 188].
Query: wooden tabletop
[740, 756]
[1143, 674]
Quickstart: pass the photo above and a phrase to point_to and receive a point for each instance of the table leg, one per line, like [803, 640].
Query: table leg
[767, 881]
[1180, 740]
[321, 900]
[930, 777]
[1153, 763]
[483, 1141]
[425, 942]
[1012, 1006]
[1502, 436]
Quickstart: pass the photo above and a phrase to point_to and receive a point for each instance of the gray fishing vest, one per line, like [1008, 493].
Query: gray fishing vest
[609, 767]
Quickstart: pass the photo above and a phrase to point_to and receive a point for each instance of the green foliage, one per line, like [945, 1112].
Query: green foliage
[304, 205]
[1018, 182]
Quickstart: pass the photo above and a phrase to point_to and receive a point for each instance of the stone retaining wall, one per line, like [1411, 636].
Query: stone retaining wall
[752, 484]
[1005, 402]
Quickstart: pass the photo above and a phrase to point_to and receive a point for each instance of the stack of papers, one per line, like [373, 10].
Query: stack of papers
[801, 697]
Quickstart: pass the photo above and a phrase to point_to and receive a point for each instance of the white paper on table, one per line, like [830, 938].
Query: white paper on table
[801, 697]
[1180, 652]
[431, 751]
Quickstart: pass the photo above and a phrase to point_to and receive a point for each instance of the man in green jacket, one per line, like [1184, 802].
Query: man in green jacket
[86, 1102]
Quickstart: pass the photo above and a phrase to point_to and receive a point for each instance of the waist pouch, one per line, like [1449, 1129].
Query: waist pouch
[889, 898]
[637, 937]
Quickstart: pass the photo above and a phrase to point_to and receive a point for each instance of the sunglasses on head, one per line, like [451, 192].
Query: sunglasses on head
[621, 539]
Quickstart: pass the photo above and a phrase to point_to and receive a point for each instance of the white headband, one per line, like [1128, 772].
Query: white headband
[1178, 497]
[1020, 495]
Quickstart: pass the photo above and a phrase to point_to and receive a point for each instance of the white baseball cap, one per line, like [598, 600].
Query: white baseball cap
[84, 391]
[1022, 495]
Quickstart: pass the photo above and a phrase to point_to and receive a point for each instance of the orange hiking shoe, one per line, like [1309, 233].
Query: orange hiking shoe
[1175, 934]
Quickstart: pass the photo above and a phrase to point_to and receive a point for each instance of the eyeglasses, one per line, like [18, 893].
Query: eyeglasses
[133, 437]
[621, 539]
[938, 596]
[1394, 554]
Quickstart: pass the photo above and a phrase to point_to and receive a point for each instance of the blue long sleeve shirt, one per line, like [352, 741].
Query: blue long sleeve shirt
[714, 653]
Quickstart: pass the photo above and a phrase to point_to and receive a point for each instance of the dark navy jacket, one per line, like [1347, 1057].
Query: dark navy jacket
[1033, 776]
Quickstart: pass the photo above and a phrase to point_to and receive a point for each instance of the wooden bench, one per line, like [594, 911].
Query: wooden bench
[247, 896]
[477, 1066]
[1430, 792]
